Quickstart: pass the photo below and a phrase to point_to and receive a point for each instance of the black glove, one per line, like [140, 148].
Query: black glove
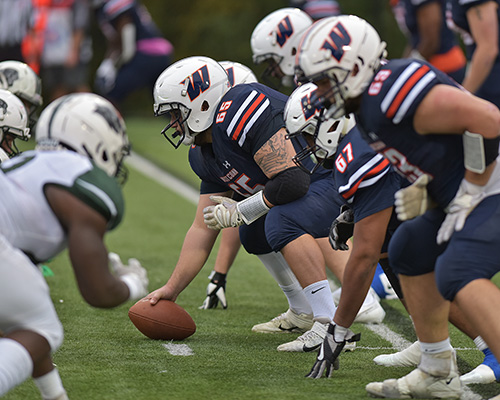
[342, 229]
[216, 291]
[329, 352]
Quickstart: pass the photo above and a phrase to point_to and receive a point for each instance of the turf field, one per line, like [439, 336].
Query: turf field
[105, 357]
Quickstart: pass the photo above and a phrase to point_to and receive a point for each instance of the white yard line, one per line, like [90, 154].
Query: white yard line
[165, 179]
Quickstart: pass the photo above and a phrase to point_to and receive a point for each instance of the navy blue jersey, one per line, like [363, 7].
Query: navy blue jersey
[386, 122]
[490, 89]
[247, 117]
[111, 10]
[449, 56]
[364, 178]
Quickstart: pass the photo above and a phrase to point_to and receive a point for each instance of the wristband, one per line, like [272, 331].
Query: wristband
[253, 207]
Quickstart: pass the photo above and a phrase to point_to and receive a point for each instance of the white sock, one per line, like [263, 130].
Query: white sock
[480, 343]
[434, 348]
[277, 266]
[15, 365]
[320, 298]
[50, 385]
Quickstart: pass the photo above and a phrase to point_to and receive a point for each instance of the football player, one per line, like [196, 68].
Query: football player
[369, 184]
[478, 21]
[445, 141]
[429, 37]
[137, 53]
[64, 194]
[240, 149]
[275, 40]
[13, 124]
[230, 240]
[21, 80]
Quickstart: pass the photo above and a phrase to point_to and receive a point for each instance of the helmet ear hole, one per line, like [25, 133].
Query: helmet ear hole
[205, 106]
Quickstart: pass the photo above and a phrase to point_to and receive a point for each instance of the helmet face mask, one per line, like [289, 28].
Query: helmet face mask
[13, 122]
[89, 125]
[193, 86]
[177, 131]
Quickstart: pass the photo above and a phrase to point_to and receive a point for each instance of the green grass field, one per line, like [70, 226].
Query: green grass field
[105, 357]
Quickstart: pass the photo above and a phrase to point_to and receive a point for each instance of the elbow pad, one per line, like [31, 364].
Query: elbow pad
[287, 186]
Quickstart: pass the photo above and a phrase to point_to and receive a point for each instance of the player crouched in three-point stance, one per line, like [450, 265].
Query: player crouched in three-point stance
[64, 194]
[430, 129]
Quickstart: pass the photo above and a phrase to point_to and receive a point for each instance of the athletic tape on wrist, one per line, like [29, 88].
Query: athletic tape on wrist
[253, 207]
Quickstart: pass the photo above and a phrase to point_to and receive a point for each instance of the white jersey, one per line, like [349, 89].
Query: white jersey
[26, 219]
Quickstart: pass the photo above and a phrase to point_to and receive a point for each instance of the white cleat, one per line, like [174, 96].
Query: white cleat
[497, 397]
[289, 321]
[371, 312]
[409, 357]
[311, 340]
[419, 385]
[481, 374]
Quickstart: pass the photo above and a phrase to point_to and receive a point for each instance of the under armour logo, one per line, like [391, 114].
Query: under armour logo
[226, 164]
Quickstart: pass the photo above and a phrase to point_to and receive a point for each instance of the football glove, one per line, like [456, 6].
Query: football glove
[133, 275]
[223, 215]
[333, 344]
[106, 75]
[413, 200]
[467, 198]
[216, 291]
[342, 229]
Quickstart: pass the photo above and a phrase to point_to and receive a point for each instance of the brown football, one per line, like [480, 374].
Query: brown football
[165, 320]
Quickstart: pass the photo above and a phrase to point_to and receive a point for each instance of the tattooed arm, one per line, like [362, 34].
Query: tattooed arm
[483, 22]
[276, 154]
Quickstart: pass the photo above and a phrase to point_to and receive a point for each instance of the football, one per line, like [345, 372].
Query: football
[165, 320]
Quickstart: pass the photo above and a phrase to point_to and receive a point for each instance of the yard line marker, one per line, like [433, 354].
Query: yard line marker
[178, 349]
[167, 180]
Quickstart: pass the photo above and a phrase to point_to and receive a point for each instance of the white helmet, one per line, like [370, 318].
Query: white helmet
[89, 125]
[21, 80]
[303, 117]
[238, 73]
[345, 49]
[276, 38]
[190, 91]
[13, 122]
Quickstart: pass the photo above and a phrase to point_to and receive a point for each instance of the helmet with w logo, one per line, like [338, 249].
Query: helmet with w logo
[189, 92]
[303, 118]
[347, 51]
[276, 39]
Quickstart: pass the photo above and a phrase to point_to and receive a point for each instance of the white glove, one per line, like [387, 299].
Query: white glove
[106, 74]
[413, 200]
[223, 215]
[467, 198]
[133, 275]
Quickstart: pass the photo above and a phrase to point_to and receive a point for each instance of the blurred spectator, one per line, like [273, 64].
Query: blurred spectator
[317, 9]
[60, 46]
[424, 24]
[137, 53]
[15, 19]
